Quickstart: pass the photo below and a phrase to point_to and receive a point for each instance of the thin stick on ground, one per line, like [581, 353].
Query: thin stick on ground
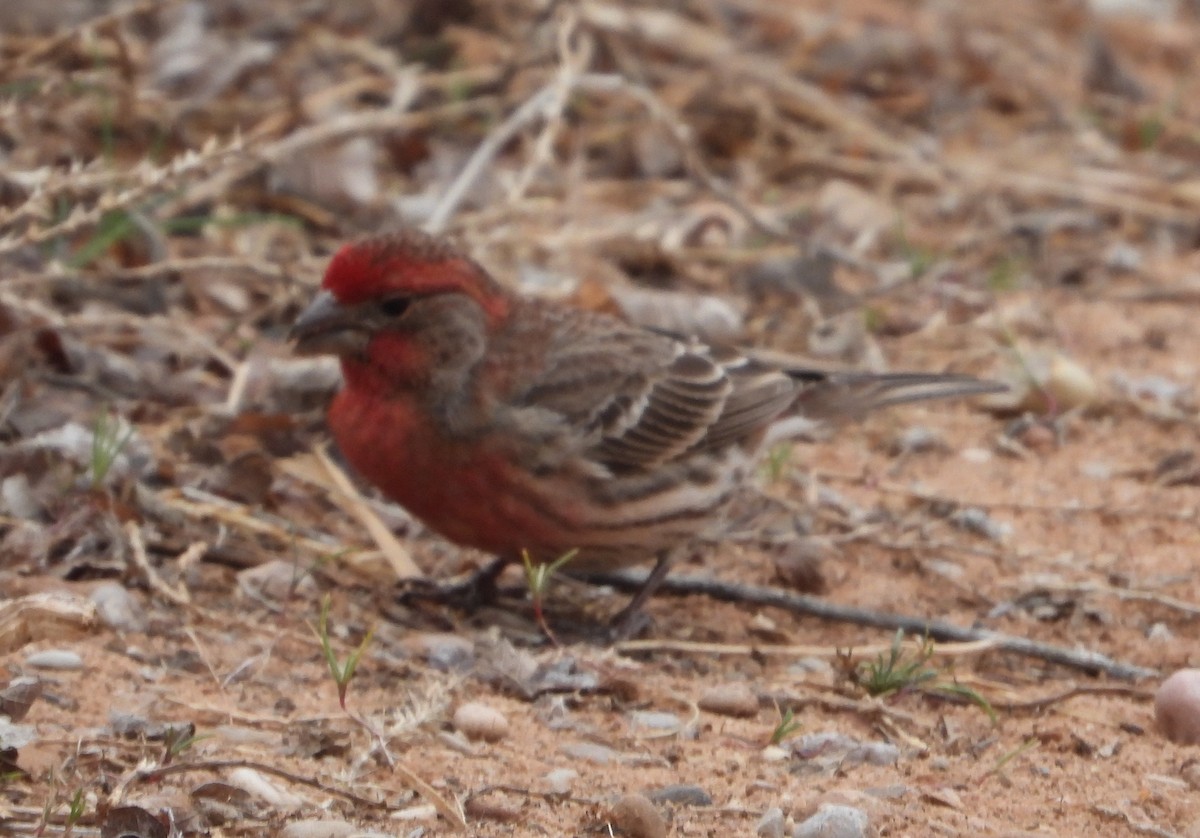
[1082, 659]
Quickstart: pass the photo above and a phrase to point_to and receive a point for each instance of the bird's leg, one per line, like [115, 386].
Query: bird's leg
[467, 592]
[630, 620]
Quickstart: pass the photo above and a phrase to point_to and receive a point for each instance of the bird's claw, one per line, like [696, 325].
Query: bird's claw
[467, 592]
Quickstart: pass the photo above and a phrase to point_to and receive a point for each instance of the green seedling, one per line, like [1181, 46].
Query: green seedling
[895, 672]
[343, 673]
[998, 768]
[788, 726]
[114, 228]
[537, 578]
[176, 742]
[776, 461]
[75, 811]
[109, 437]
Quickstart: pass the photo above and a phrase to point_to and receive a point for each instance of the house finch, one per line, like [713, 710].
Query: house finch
[518, 425]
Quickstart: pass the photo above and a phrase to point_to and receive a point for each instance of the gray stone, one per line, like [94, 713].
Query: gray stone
[835, 822]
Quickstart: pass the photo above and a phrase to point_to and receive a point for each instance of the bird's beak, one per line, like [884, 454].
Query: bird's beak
[327, 327]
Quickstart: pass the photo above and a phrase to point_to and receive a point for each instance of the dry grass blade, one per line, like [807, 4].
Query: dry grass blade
[452, 812]
[341, 486]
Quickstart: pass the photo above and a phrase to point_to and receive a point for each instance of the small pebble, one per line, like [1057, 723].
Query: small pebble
[1070, 384]
[635, 816]
[445, 651]
[483, 809]
[810, 666]
[976, 456]
[560, 780]
[17, 497]
[733, 699]
[798, 566]
[947, 569]
[276, 580]
[117, 608]
[652, 720]
[975, 520]
[772, 824]
[264, 788]
[1191, 774]
[1160, 632]
[834, 822]
[590, 752]
[683, 795]
[916, 440]
[873, 753]
[318, 829]
[1039, 438]
[1177, 707]
[62, 659]
[476, 720]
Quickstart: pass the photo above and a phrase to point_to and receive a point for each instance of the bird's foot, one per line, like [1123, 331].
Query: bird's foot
[627, 624]
[467, 592]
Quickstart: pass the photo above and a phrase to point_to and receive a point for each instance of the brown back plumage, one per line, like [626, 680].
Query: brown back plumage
[644, 399]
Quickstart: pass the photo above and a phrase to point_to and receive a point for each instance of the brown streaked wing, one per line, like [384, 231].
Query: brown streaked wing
[760, 394]
[639, 398]
[671, 412]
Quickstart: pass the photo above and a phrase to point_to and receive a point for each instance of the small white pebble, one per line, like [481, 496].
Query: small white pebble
[946, 569]
[117, 608]
[1160, 632]
[17, 497]
[1070, 384]
[732, 699]
[1096, 470]
[560, 780]
[318, 829]
[276, 580]
[654, 720]
[265, 789]
[976, 455]
[476, 720]
[1177, 707]
[444, 651]
[834, 822]
[62, 659]
[590, 752]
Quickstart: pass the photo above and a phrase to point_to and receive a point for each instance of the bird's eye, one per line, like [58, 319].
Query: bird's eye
[394, 306]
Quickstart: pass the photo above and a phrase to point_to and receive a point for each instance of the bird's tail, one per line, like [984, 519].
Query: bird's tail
[827, 399]
[851, 395]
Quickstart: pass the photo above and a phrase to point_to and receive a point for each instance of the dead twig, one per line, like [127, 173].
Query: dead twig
[1066, 695]
[1087, 661]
